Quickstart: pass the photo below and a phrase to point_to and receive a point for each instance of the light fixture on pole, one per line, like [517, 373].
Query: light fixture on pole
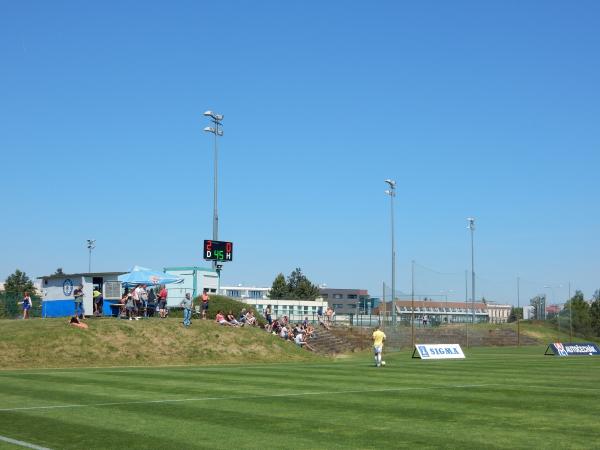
[392, 193]
[91, 245]
[217, 130]
[471, 227]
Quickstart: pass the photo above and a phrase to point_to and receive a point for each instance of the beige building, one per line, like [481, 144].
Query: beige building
[498, 313]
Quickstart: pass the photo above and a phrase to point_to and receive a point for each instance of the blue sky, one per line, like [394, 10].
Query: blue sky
[483, 109]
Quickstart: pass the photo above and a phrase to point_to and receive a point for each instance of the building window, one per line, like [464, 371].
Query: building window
[255, 294]
[233, 293]
[338, 296]
[352, 296]
[325, 295]
[112, 289]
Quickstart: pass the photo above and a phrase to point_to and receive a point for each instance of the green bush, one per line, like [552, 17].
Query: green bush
[220, 302]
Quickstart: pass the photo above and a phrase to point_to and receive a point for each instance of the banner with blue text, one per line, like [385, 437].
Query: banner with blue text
[438, 351]
[573, 349]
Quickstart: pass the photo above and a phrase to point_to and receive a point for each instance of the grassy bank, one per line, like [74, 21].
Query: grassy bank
[41, 343]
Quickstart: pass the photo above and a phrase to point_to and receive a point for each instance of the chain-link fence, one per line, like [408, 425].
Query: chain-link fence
[12, 308]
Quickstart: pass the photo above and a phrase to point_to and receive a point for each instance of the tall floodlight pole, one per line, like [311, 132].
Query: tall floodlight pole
[412, 303]
[471, 227]
[217, 130]
[91, 245]
[518, 307]
[392, 193]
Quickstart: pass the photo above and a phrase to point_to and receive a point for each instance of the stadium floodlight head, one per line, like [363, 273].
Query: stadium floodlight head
[91, 243]
[391, 182]
[214, 116]
[390, 192]
[471, 225]
[209, 129]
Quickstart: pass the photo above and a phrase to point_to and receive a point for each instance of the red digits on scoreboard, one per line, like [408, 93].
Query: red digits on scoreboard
[208, 245]
[228, 247]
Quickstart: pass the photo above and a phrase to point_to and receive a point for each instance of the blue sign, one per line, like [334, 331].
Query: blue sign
[573, 349]
[68, 287]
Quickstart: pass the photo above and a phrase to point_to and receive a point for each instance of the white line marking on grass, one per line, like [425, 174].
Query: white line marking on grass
[22, 443]
[242, 397]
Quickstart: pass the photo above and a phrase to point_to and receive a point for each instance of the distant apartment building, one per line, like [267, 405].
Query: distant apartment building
[348, 301]
[448, 311]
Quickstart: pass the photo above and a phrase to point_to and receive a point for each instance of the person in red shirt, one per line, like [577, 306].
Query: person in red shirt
[162, 302]
[205, 299]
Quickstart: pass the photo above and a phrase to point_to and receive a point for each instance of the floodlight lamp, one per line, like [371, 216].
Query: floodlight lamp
[392, 183]
[209, 113]
[220, 133]
[218, 117]
[209, 129]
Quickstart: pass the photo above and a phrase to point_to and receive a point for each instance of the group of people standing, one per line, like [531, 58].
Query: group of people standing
[143, 302]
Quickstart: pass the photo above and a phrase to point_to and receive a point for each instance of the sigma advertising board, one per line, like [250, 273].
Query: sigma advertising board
[438, 351]
[572, 349]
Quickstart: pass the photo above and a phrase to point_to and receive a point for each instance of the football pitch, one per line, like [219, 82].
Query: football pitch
[495, 398]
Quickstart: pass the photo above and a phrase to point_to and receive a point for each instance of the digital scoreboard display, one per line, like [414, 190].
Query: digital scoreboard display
[218, 251]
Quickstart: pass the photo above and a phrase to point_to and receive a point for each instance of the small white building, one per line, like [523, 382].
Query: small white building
[195, 281]
[498, 313]
[295, 310]
[245, 292]
[57, 292]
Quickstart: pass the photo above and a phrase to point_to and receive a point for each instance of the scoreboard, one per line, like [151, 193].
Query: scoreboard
[218, 251]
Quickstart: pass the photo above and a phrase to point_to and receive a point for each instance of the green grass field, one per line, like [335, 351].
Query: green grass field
[496, 398]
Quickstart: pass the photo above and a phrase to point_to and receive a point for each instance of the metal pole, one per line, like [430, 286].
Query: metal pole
[384, 305]
[412, 308]
[393, 262]
[472, 228]
[518, 307]
[467, 306]
[90, 261]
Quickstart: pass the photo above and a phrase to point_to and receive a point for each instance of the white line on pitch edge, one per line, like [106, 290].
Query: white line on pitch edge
[22, 443]
[242, 397]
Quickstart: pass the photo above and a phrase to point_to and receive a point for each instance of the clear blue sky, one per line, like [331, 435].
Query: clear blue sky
[483, 109]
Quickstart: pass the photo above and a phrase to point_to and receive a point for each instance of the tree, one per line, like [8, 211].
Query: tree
[59, 271]
[296, 287]
[279, 289]
[595, 313]
[579, 312]
[515, 313]
[18, 283]
[539, 307]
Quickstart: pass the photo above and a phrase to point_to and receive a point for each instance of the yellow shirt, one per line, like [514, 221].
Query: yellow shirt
[378, 337]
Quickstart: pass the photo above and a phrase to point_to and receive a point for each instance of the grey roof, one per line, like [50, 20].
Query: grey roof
[86, 274]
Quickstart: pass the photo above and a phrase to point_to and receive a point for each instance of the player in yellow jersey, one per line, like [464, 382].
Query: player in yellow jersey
[378, 338]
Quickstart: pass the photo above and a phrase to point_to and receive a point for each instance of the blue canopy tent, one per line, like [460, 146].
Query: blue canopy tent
[142, 275]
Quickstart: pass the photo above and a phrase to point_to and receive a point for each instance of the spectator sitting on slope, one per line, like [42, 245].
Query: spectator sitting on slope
[231, 319]
[220, 319]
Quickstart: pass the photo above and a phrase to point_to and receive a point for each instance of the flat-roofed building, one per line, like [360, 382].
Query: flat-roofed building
[347, 301]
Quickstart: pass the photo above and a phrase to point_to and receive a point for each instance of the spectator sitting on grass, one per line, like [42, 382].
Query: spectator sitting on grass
[299, 339]
[220, 319]
[231, 319]
[77, 323]
[276, 327]
[283, 334]
[250, 318]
